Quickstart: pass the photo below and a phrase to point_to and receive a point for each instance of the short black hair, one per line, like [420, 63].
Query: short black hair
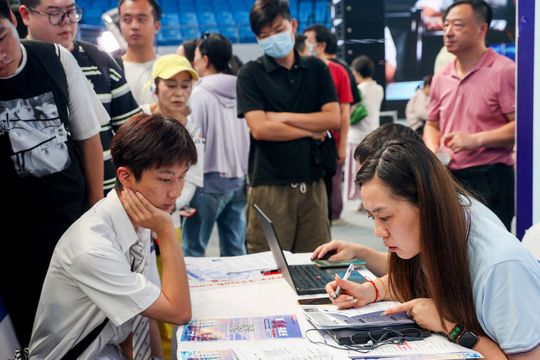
[156, 10]
[5, 10]
[481, 9]
[322, 35]
[30, 3]
[376, 139]
[331, 45]
[21, 27]
[364, 66]
[218, 49]
[264, 12]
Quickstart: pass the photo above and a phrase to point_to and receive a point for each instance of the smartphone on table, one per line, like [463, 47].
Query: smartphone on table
[315, 301]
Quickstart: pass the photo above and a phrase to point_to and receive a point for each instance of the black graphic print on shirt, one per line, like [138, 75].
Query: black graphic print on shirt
[37, 135]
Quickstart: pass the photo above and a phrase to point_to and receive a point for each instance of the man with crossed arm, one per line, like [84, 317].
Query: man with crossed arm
[288, 101]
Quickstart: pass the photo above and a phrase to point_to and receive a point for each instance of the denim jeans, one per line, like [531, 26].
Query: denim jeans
[228, 210]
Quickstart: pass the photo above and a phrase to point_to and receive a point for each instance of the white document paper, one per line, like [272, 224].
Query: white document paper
[264, 350]
[297, 258]
[369, 308]
[203, 275]
[455, 356]
[296, 351]
[433, 345]
[253, 262]
[234, 264]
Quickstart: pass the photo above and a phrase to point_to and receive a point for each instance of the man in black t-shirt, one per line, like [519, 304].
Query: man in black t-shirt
[48, 23]
[289, 102]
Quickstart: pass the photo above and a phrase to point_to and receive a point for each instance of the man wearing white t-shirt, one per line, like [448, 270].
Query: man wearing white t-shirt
[139, 23]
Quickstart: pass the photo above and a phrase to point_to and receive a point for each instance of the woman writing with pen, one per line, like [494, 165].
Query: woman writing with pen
[348, 273]
[455, 270]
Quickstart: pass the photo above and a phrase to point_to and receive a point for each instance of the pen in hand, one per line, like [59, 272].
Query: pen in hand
[348, 273]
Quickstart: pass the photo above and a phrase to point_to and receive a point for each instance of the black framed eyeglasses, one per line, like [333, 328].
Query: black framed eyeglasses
[56, 17]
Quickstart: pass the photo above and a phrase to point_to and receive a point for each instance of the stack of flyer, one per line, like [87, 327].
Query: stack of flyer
[370, 316]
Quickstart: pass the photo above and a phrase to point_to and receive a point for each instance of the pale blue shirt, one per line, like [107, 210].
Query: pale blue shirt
[506, 283]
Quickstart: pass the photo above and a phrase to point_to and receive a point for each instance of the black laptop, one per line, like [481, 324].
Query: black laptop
[305, 279]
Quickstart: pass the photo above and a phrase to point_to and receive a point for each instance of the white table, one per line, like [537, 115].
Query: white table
[270, 296]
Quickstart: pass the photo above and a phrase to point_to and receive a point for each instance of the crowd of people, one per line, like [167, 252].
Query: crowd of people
[101, 153]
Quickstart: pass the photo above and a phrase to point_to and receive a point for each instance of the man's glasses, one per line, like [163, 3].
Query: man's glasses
[56, 17]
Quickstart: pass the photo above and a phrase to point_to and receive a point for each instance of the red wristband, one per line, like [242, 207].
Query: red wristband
[376, 289]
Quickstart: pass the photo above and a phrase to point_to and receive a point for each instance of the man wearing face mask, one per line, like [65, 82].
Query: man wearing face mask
[287, 101]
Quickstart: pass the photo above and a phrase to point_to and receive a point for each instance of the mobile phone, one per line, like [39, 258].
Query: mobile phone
[315, 301]
[328, 254]
[335, 264]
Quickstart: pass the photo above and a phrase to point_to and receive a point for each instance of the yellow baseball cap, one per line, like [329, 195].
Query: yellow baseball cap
[167, 66]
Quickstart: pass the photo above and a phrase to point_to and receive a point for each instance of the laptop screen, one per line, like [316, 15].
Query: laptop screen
[273, 242]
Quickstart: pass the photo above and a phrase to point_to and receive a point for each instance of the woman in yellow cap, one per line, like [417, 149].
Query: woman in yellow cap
[173, 78]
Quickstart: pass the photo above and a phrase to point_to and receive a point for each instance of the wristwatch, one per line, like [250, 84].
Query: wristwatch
[467, 339]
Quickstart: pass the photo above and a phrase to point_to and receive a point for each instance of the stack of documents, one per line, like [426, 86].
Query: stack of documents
[276, 337]
[234, 268]
[369, 316]
[327, 317]
[239, 269]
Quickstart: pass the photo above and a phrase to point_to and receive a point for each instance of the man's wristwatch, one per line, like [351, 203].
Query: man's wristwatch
[467, 339]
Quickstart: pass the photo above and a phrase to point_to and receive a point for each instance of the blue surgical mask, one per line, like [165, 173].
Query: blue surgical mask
[278, 45]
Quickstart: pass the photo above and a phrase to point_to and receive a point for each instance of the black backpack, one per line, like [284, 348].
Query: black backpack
[48, 55]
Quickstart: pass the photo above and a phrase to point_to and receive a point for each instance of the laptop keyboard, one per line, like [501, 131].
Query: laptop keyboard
[308, 277]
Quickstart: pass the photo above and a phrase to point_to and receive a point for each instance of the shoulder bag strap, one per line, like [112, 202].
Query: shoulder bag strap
[82, 345]
[99, 59]
[47, 55]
